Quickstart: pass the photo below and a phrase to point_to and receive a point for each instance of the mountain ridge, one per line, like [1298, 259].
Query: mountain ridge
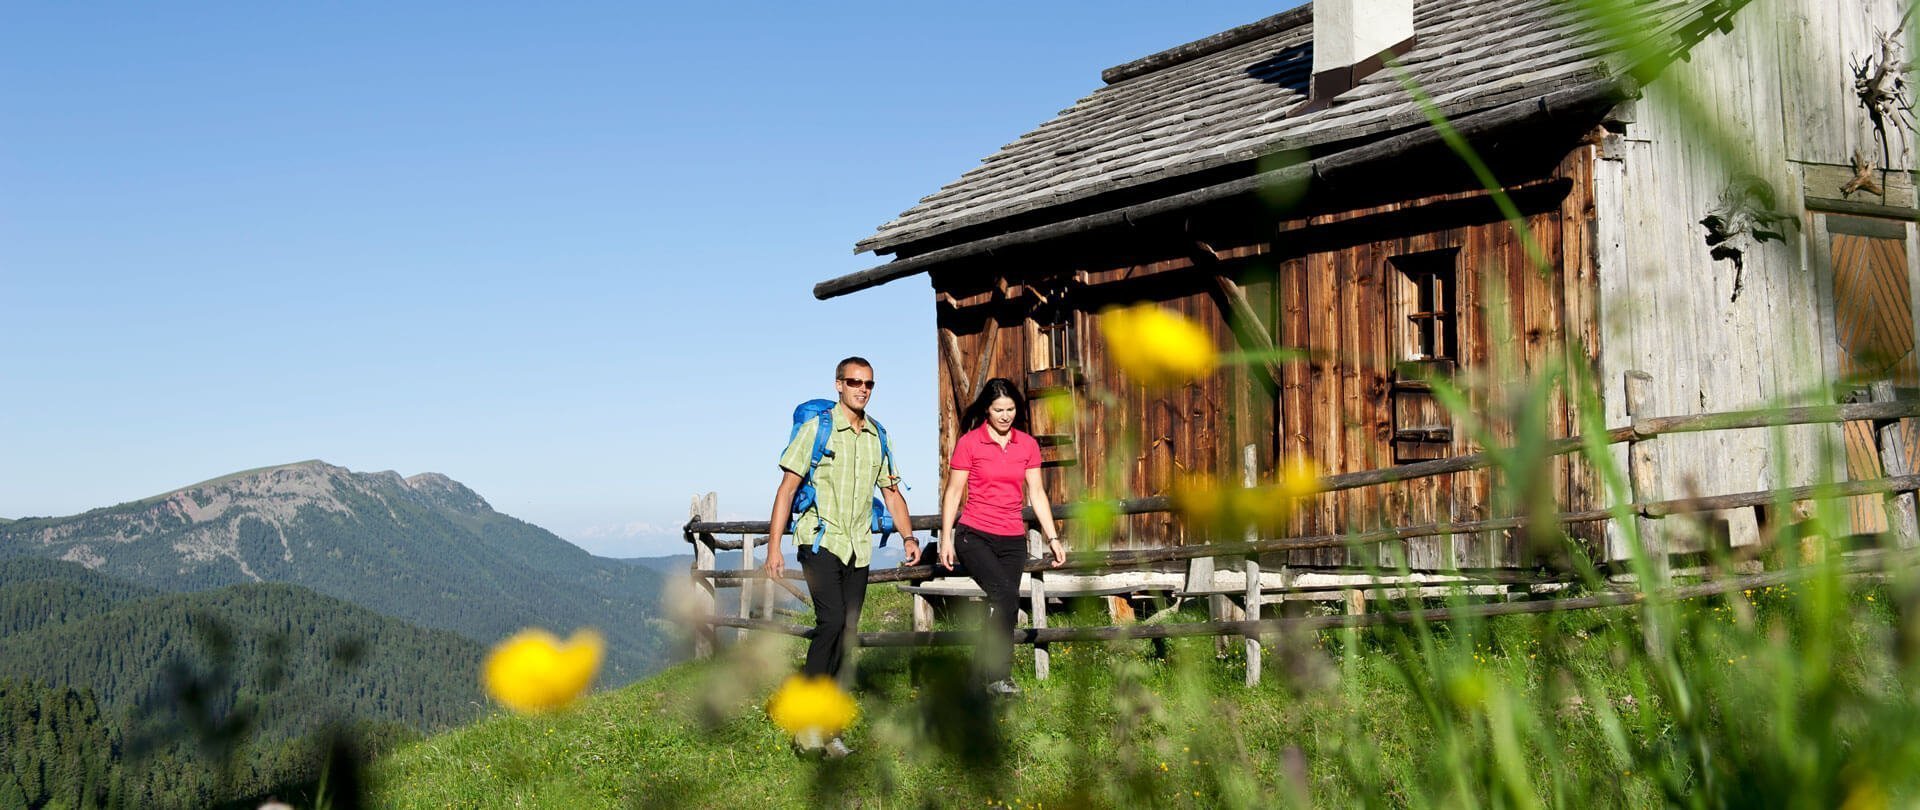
[423, 548]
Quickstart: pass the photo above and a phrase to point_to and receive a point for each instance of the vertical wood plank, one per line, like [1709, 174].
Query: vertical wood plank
[1037, 606]
[703, 604]
[1895, 460]
[1250, 476]
[1642, 473]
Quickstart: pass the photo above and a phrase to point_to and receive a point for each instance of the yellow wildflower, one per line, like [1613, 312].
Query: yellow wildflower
[1156, 347]
[1200, 503]
[811, 705]
[1205, 506]
[533, 671]
[1299, 477]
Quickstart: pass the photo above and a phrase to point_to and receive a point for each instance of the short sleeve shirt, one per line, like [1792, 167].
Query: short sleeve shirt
[843, 486]
[996, 479]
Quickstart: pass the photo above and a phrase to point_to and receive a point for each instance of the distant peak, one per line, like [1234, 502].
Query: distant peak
[447, 491]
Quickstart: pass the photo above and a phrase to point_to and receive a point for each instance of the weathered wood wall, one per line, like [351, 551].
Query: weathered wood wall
[1771, 100]
[1321, 285]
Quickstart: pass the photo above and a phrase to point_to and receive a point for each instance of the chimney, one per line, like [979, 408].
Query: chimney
[1351, 39]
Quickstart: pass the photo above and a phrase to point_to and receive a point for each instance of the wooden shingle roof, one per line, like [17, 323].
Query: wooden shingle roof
[1226, 101]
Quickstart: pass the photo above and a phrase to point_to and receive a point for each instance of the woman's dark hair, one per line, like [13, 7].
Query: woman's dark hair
[995, 388]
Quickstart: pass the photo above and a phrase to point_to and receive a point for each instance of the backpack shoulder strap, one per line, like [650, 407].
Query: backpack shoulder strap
[823, 430]
[885, 452]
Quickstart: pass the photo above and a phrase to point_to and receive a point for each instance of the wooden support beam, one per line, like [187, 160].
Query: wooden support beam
[956, 368]
[1251, 328]
[986, 361]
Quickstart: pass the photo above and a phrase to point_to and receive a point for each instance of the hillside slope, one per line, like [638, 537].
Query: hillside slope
[294, 659]
[425, 549]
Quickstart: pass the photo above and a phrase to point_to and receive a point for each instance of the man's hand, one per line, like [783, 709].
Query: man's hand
[776, 565]
[909, 551]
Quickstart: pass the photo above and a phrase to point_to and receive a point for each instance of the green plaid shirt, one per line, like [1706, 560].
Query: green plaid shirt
[843, 485]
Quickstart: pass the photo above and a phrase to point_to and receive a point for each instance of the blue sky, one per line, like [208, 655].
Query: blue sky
[561, 254]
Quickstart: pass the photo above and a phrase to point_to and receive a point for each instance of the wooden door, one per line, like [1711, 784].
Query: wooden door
[1871, 334]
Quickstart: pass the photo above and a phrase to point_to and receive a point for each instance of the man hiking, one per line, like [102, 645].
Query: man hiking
[834, 535]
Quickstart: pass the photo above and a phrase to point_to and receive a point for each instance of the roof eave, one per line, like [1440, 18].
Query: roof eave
[1600, 92]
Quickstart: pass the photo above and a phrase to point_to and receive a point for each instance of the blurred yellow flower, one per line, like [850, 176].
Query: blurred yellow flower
[811, 705]
[1058, 408]
[1156, 347]
[535, 672]
[1204, 505]
[1200, 503]
[1299, 477]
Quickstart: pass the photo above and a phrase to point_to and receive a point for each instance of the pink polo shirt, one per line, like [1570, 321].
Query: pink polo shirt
[996, 476]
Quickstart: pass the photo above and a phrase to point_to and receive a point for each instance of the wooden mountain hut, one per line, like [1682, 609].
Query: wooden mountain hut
[1718, 196]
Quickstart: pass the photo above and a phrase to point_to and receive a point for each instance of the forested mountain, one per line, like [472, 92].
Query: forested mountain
[322, 657]
[426, 549]
[675, 564]
[109, 689]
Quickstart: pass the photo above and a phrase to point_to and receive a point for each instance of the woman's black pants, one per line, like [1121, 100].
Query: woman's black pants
[995, 562]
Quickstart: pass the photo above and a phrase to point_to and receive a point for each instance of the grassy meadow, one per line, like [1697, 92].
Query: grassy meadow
[1801, 694]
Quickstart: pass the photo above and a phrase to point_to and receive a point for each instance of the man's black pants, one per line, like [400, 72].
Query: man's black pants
[839, 591]
[995, 562]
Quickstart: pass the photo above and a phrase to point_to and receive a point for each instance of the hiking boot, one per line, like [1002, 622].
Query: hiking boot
[807, 745]
[836, 748]
[1004, 687]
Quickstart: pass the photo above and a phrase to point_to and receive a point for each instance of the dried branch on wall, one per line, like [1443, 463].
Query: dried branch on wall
[1880, 82]
[1747, 215]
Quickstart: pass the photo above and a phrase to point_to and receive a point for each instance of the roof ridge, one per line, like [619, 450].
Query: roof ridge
[1207, 46]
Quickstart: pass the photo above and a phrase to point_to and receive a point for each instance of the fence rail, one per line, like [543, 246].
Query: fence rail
[1899, 486]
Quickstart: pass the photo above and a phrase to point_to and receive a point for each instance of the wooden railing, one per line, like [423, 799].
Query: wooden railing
[1898, 485]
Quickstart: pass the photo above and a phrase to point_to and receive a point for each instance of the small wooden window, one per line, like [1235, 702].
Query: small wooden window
[1423, 325]
[1057, 347]
[1426, 299]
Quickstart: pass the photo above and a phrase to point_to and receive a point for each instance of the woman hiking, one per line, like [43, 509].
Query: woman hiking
[996, 468]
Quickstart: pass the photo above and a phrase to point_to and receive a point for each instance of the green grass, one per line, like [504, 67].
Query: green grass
[1563, 710]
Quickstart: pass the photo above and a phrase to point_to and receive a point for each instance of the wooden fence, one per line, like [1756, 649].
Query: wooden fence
[1896, 485]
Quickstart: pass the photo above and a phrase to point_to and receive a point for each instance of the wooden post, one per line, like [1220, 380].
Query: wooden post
[767, 596]
[1356, 599]
[703, 602]
[1200, 572]
[1642, 471]
[1249, 464]
[747, 587]
[922, 613]
[922, 607]
[1037, 606]
[1901, 520]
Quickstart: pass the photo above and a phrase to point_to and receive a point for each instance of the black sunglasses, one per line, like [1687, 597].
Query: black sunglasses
[858, 383]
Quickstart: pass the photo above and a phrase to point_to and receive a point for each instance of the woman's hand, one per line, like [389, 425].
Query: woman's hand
[946, 550]
[1059, 552]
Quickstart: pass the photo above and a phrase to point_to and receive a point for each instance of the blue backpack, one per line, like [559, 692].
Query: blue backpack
[820, 411]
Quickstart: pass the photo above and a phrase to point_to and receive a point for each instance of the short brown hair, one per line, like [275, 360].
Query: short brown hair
[856, 360]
